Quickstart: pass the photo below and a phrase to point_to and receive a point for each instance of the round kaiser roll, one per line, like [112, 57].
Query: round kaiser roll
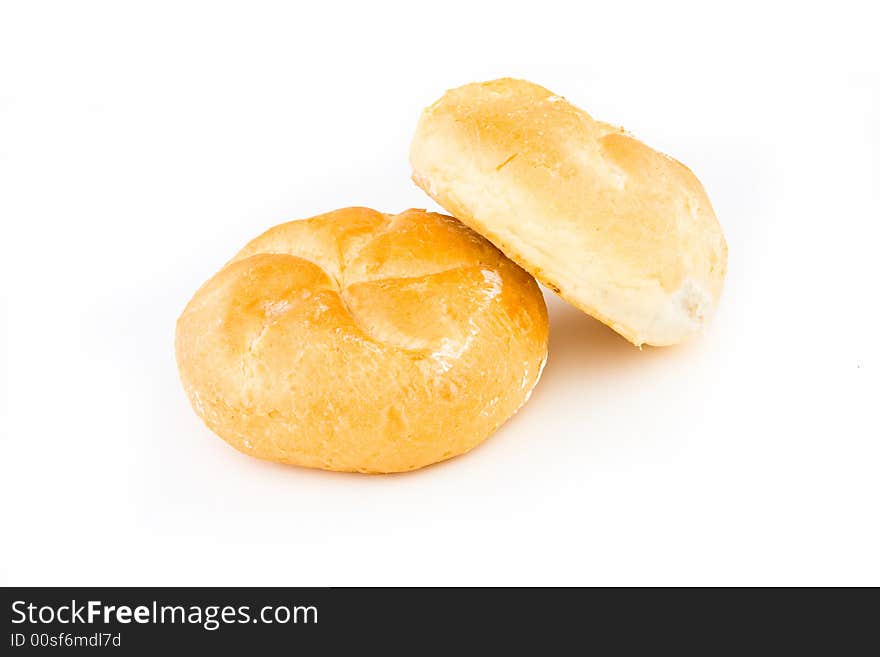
[362, 341]
[621, 231]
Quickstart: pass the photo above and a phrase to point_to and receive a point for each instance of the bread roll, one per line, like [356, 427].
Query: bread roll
[621, 231]
[362, 341]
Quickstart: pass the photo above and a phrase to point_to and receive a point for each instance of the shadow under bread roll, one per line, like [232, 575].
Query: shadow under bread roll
[619, 230]
[362, 341]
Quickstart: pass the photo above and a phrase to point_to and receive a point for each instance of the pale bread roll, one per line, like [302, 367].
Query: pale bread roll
[621, 231]
[362, 341]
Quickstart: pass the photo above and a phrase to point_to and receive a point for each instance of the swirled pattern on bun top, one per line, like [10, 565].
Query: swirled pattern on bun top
[362, 341]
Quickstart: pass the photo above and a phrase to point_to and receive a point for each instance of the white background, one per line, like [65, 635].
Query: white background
[141, 144]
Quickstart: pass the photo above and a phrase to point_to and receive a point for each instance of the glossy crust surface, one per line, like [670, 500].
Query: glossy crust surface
[362, 341]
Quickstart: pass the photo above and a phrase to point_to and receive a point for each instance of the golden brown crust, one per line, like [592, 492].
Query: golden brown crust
[623, 232]
[360, 341]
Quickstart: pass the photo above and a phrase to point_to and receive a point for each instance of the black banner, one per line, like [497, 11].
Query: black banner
[409, 621]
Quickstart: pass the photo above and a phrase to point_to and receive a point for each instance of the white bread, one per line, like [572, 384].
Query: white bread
[361, 341]
[621, 231]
